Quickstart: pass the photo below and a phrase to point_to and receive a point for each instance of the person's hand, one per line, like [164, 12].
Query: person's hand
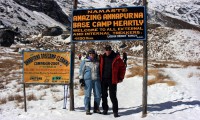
[82, 82]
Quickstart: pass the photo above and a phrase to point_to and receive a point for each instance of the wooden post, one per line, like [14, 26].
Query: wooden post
[145, 71]
[72, 68]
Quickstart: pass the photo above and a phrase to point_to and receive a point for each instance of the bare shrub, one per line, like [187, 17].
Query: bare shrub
[2, 86]
[193, 74]
[57, 99]
[42, 95]
[131, 62]
[76, 84]
[160, 65]
[160, 78]
[77, 77]
[18, 90]
[186, 64]
[47, 86]
[11, 98]
[137, 70]
[190, 75]
[3, 101]
[170, 83]
[7, 81]
[18, 98]
[81, 91]
[20, 106]
[31, 97]
[39, 88]
[55, 90]
[7, 65]
[27, 85]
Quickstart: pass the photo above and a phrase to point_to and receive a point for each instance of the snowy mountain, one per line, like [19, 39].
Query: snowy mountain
[31, 17]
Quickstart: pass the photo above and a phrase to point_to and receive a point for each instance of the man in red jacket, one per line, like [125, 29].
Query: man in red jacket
[112, 71]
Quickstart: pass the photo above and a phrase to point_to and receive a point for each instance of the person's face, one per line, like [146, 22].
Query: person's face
[108, 52]
[92, 55]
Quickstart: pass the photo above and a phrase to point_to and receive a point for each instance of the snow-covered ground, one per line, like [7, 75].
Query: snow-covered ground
[179, 102]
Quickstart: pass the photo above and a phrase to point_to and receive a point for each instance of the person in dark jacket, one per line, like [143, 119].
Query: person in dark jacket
[125, 58]
[112, 71]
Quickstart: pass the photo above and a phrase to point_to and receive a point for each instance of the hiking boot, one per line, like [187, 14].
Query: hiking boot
[97, 111]
[88, 112]
[116, 115]
[105, 112]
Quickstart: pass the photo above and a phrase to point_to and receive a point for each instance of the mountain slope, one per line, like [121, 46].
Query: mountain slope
[28, 21]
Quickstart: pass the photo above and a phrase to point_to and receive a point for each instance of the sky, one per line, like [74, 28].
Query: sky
[179, 102]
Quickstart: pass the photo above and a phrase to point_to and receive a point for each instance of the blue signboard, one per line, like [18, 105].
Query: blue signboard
[103, 24]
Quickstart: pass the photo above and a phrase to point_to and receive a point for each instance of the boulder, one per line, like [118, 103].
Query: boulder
[7, 37]
[52, 31]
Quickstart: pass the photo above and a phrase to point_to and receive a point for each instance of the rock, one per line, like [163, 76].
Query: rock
[7, 37]
[52, 31]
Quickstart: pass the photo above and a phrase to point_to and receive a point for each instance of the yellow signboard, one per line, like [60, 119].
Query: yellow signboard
[46, 67]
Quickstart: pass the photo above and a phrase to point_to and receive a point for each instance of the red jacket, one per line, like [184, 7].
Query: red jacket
[118, 69]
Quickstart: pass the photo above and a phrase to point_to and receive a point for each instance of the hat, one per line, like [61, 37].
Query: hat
[108, 47]
[91, 51]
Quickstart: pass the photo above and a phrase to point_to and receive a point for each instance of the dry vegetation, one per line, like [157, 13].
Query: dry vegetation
[160, 78]
[31, 97]
[194, 74]
[3, 101]
[81, 91]
[11, 98]
[159, 75]
[177, 64]
[18, 98]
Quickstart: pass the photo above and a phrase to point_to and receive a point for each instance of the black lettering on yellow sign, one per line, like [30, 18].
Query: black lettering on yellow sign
[31, 59]
[62, 60]
[48, 56]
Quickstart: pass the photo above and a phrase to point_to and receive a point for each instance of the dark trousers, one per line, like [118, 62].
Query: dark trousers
[113, 96]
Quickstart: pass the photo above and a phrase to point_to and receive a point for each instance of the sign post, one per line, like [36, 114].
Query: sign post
[72, 68]
[145, 73]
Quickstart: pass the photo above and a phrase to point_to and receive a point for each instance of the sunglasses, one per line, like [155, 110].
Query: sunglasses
[91, 53]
